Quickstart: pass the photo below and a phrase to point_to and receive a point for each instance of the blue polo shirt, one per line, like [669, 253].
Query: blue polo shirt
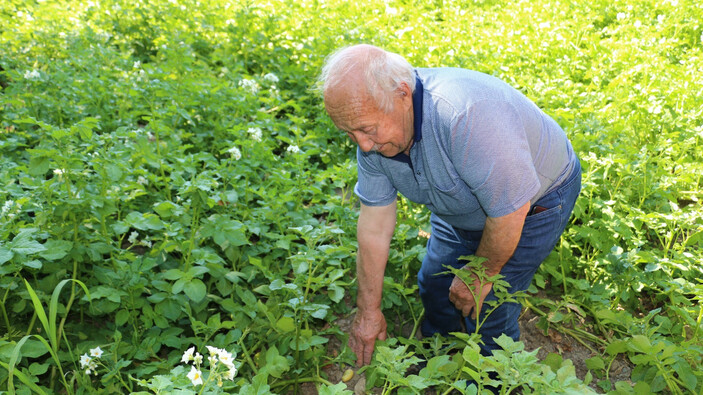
[481, 148]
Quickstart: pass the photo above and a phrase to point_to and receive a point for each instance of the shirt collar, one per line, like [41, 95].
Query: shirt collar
[417, 118]
[417, 108]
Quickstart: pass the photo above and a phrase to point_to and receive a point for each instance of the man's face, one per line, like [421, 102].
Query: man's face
[354, 112]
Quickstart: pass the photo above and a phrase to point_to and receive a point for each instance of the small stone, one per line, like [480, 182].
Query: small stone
[348, 374]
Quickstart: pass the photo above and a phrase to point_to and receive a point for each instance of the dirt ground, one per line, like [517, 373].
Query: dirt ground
[533, 337]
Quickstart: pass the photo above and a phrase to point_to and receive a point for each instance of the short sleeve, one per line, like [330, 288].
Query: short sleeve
[373, 186]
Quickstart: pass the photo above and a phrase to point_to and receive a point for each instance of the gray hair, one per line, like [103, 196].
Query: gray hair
[383, 72]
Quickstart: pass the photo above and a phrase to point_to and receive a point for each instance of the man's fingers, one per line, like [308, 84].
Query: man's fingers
[368, 352]
[358, 347]
[353, 346]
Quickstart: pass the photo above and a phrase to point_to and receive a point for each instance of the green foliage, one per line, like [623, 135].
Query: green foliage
[170, 158]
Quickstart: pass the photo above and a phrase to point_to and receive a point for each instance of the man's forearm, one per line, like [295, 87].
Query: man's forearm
[500, 238]
[374, 233]
[370, 270]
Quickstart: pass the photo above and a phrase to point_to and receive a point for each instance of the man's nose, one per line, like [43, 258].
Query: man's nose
[365, 143]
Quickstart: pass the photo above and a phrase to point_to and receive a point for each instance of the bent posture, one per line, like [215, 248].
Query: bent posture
[499, 176]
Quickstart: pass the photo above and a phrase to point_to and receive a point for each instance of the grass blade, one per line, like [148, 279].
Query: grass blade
[53, 307]
[41, 313]
[23, 378]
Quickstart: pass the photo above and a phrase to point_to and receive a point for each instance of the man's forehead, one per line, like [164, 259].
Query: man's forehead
[347, 109]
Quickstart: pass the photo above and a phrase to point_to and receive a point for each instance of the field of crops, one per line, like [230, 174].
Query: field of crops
[177, 216]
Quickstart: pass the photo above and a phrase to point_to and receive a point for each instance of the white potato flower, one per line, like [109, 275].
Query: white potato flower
[195, 376]
[255, 133]
[7, 206]
[235, 152]
[188, 355]
[32, 75]
[198, 358]
[132, 239]
[85, 360]
[231, 373]
[96, 352]
[249, 85]
[226, 358]
[270, 77]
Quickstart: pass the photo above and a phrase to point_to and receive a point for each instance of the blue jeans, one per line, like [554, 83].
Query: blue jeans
[540, 234]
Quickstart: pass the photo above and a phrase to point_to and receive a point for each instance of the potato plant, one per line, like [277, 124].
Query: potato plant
[176, 211]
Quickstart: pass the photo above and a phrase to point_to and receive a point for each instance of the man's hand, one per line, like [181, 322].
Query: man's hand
[366, 328]
[463, 299]
[500, 237]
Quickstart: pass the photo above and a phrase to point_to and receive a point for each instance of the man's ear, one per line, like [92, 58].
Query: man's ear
[404, 90]
[405, 94]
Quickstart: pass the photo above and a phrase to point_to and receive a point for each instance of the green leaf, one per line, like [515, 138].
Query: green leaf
[417, 382]
[616, 347]
[33, 348]
[144, 221]
[169, 308]
[276, 364]
[121, 317]
[335, 293]
[439, 366]
[23, 378]
[595, 363]
[33, 264]
[37, 369]
[165, 209]
[640, 343]
[5, 255]
[119, 227]
[307, 340]
[606, 314]
[641, 387]
[508, 344]
[38, 166]
[285, 324]
[320, 311]
[173, 274]
[555, 316]
[336, 389]
[195, 289]
[23, 243]
[113, 172]
[56, 249]
[683, 369]
[554, 361]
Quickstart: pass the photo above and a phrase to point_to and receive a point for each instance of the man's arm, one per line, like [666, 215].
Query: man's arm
[374, 233]
[500, 238]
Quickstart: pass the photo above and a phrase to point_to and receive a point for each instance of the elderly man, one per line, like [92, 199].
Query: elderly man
[499, 176]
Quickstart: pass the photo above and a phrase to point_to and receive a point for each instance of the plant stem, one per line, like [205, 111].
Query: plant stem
[6, 318]
[302, 380]
[577, 334]
[698, 322]
[193, 231]
[70, 302]
[31, 323]
[72, 297]
[251, 363]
